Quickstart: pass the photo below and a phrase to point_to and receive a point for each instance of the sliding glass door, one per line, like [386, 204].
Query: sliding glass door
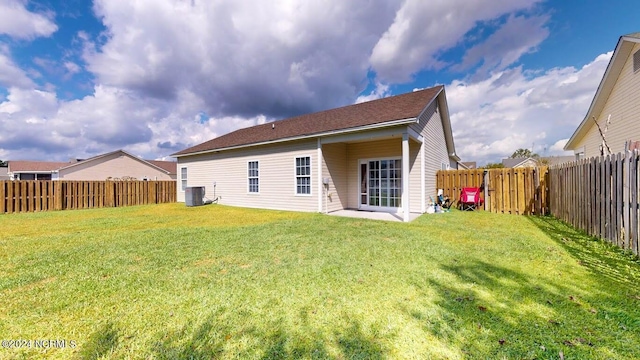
[380, 184]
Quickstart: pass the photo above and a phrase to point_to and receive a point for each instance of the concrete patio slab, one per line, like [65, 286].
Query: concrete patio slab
[373, 215]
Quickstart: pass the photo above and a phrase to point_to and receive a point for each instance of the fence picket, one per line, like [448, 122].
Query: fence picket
[36, 195]
[514, 191]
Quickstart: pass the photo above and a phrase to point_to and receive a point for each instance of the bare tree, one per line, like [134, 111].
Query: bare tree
[604, 144]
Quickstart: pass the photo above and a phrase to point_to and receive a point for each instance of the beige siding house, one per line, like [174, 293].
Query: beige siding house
[380, 155]
[617, 99]
[118, 164]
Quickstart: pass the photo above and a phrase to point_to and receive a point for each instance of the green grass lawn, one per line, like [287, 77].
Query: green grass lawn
[167, 281]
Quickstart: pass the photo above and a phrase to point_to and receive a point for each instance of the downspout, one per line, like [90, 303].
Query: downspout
[320, 186]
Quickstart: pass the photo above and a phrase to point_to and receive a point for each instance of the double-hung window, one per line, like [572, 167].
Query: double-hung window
[253, 177]
[303, 175]
[183, 177]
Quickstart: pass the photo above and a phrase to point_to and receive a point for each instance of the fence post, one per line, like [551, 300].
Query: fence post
[633, 189]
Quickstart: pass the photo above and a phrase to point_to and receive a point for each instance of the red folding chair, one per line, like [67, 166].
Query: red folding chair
[470, 199]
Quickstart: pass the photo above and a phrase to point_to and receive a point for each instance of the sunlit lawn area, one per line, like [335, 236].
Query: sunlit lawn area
[168, 281]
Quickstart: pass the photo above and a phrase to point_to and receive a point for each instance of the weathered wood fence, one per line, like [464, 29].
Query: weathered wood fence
[30, 195]
[599, 196]
[521, 191]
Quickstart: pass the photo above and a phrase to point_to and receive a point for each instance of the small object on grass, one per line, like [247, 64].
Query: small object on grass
[561, 355]
[482, 308]
[502, 341]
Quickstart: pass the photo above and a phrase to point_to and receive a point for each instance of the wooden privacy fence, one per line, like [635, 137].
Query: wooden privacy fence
[599, 196]
[522, 191]
[30, 195]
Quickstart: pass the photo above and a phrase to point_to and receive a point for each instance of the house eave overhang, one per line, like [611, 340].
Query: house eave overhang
[614, 68]
[309, 136]
[33, 172]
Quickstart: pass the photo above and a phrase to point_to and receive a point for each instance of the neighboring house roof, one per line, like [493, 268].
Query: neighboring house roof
[165, 169]
[512, 163]
[168, 167]
[400, 109]
[620, 55]
[34, 166]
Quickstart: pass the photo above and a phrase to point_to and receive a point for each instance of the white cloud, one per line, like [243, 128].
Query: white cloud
[16, 21]
[170, 74]
[37, 125]
[518, 36]
[11, 75]
[380, 91]
[423, 29]
[515, 109]
[558, 146]
[243, 58]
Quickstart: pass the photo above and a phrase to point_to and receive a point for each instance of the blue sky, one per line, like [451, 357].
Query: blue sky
[80, 78]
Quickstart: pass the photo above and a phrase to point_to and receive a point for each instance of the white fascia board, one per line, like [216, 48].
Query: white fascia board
[312, 136]
[414, 134]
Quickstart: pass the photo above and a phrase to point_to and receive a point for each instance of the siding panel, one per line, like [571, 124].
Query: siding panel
[624, 107]
[335, 167]
[228, 169]
[435, 150]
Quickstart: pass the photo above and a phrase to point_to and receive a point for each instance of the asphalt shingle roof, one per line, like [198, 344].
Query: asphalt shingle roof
[405, 106]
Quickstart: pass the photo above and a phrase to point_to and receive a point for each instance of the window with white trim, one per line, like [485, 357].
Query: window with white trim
[253, 177]
[183, 177]
[303, 175]
[636, 61]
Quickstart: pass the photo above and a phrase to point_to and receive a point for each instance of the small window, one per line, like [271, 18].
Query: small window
[445, 166]
[183, 177]
[636, 61]
[303, 175]
[253, 179]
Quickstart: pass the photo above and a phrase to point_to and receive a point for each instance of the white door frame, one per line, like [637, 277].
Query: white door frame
[361, 206]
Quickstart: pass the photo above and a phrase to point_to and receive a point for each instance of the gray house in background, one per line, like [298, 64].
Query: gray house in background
[520, 162]
[4, 173]
[380, 155]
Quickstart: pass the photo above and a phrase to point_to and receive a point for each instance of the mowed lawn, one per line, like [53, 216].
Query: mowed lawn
[167, 281]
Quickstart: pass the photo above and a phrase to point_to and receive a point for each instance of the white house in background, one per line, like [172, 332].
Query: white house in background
[116, 164]
[618, 96]
[519, 162]
[4, 173]
[380, 155]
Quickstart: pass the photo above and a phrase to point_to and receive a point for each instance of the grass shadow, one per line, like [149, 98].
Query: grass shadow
[602, 258]
[356, 345]
[212, 340]
[487, 311]
[100, 343]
